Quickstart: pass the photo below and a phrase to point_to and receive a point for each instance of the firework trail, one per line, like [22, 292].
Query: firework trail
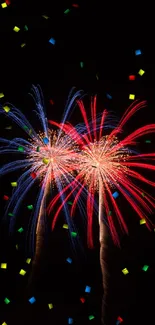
[47, 160]
[109, 163]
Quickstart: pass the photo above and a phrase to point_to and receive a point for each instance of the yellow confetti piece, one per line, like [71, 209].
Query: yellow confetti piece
[16, 246]
[125, 271]
[6, 108]
[44, 16]
[45, 161]
[28, 260]
[3, 5]
[1, 95]
[65, 226]
[3, 265]
[4, 323]
[142, 221]
[50, 306]
[14, 184]
[16, 29]
[23, 44]
[132, 96]
[141, 72]
[22, 272]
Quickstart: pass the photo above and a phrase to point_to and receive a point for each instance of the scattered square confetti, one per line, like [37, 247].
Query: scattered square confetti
[115, 195]
[45, 140]
[5, 197]
[14, 184]
[6, 108]
[38, 149]
[69, 260]
[30, 207]
[87, 289]
[50, 306]
[147, 141]
[125, 271]
[45, 161]
[109, 96]
[141, 72]
[52, 40]
[21, 149]
[138, 52]
[145, 268]
[20, 230]
[4, 5]
[81, 64]
[22, 272]
[32, 300]
[7, 301]
[132, 77]
[1, 95]
[23, 44]
[70, 202]
[10, 214]
[70, 320]
[91, 317]
[44, 16]
[73, 234]
[66, 11]
[3, 265]
[142, 221]
[33, 175]
[4, 323]
[26, 28]
[65, 226]
[120, 319]
[16, 29]
[28, 260]
[132, 96]
[82, 300]
[75, 5]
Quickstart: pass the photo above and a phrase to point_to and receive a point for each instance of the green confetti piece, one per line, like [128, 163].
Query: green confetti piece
[81, 64]
[91, 317]
[22, 272]
[25, 28]
[66, 11]
[145, 268]
[74, 234]
[109, 213]
[20, 148]
[28, 260]
[38, 149]
[7, 301]
[30, 207]
[70, 202]
[147, 141]
[3, 265]
[25, 127]
[20, 230]
[10, 214]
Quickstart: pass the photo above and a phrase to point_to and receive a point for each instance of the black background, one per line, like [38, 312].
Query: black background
[104, 37]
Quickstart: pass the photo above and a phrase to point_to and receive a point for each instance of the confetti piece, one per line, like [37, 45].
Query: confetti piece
[7, 301]
[8, 2]
[66, 11]
[91, 317]
[45, 161]
[1, 95]
[109, 213]
[10, 214]
[44, 16]
[132, 77]
[21, 149]
[25, 28]
[6, 108]
[4, 5]
[65, 226]
[20, 230]
[17, 246]
[32, 300]
[16, 29]
[82, 300]
[14, 184]
[50, 306]
[23, 44]
[45, 140]
[138, 52]
[5, 197]
[87, 289]
[109, 96]
[141, 72]
[30, 207]
[70, 320]
[22, 272]
[132, 96]
[81, 64]
[115, 195]
[70, 202]
[145, 268]
[69, 260]
[8, 127]
[75, 5]
[4, 323]
[120, 319]
[28, 260]
[147, 141]
[25, 127]
[51, 102]
[52, 41]
[73, 233]
[143, 194]
[33, 175]
[38, 149]
[125, 271]
[142, 221]
[97, 77]
[3, 265]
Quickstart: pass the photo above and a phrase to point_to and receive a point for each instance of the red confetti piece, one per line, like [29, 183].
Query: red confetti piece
[33, 175]
[51, 102]
[132, 77]
[82, 300]
[5, 197]
[8, 2]
[75, 5]
[120, 319]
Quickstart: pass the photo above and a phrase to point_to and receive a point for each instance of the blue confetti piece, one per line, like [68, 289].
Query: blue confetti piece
[88, 289]
[109, 96]
[32, 300]
[70, 320]
[118, 322]
[138, 52]
[45, 140]
[52, 40]
[115, 195]
[69, 260]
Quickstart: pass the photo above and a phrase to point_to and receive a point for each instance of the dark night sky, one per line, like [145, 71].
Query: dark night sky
[105, 40]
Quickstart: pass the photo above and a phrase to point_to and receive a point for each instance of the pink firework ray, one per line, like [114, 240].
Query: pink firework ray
[106, 163]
